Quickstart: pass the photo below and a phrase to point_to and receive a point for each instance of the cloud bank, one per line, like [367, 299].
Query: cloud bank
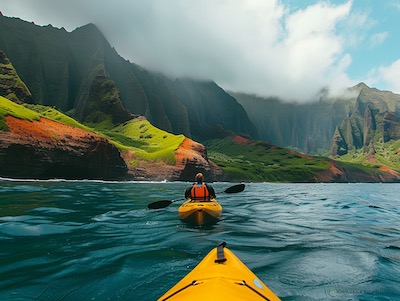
[253, 46]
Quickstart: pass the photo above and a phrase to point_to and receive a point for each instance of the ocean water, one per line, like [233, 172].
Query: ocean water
[83, 240]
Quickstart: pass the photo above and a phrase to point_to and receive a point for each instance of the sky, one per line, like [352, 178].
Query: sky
[285, 48]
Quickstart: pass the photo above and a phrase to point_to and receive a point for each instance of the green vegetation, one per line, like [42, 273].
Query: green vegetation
[148, 142]
[140, 137]
[145, 141]
[389, 155]
[259, 161]
[10, 82]
[383, 154]
[137, 135]
[251, 161]
[9, 108]
[55, 115]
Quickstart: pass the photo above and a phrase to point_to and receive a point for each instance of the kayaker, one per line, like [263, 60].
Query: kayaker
[200, 191]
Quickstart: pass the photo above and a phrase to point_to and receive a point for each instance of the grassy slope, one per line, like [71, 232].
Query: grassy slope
[259, 161]
[389, 155]
[55, 115]
[384, 155]
[148, 142]
[9, 108]
[138, 135]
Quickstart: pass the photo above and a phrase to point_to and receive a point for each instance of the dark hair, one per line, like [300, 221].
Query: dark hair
[199, 178]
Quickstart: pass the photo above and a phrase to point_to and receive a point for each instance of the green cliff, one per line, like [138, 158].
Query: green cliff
[60, 67]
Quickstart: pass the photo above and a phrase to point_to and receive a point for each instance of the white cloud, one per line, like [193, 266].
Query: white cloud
[356, 27]
[311, 55]
[387, 76]
[254, 46]
[377, 39]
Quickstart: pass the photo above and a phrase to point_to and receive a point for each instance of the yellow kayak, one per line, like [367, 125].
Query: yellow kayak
[220, 276]
[200, 213]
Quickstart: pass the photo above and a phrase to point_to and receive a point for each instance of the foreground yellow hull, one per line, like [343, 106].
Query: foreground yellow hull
[200, 213]
[222, 280]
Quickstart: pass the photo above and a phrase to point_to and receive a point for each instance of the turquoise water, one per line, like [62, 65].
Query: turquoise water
[98, 241]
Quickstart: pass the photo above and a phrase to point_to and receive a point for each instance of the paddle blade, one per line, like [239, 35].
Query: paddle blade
[159, 204]
[235, 188]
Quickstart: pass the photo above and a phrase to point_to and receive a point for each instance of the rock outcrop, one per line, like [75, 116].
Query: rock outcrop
[100, 100]
[362, 115]
[344, 173]
[339, 145]
[11, 86]
[47, 149]
[390, 126]
[190, 157]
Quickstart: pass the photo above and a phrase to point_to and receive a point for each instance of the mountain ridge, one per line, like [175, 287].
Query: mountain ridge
[57, 66]
[45, 144]
[107, 93]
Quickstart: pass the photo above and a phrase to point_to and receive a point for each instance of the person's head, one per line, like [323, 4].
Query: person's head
[199, 178]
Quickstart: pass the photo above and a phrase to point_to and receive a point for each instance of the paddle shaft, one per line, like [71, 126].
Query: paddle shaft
[165, 203]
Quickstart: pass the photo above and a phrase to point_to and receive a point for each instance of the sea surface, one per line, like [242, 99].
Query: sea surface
[88, 240]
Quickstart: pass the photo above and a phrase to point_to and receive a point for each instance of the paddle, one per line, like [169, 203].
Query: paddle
[165, 203]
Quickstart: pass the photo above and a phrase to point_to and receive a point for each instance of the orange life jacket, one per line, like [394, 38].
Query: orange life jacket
[198, 193]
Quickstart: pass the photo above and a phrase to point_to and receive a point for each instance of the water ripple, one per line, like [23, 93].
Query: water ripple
[98, 241]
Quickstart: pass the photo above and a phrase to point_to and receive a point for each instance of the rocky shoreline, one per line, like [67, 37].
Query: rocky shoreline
[46, 149]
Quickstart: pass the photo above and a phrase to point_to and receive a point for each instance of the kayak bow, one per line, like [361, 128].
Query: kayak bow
[220, 276]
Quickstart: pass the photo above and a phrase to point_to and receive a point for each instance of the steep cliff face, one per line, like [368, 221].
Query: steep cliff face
[337, 125]
[47, 149]
[44, 149]
[191, 158]
[374, 120]
[100, 100]
[212, 113]
[40, 142]
[42, 59]
[390, 126]
[57, 67]
[370, 126]
[307, 127]
[339, 146]
[11, 86]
